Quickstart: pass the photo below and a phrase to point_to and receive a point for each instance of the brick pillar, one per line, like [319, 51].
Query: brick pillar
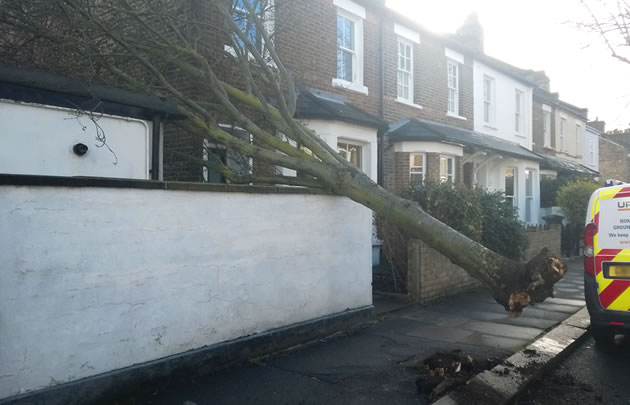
[459, 170]
[401, 171]
[433, 168]
[468, 171]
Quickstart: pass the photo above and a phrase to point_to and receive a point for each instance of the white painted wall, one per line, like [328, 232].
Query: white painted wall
[492, 177]
[38, 139]
[505, 108]
[429, 147]
[98, 279]
[574, 137]
[591, 134]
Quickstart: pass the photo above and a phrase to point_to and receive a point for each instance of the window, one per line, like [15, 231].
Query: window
[518, 111]
[245, 21]
[219, 155]
[350, 18]
[452, 70]
[405, 71]
[488, 100]
[591, 151]
[529, 194]
[510, 186]
[346, 49]
[416, 168]
[350, 152]
[547, 126]
[563, 125]
[447, 169]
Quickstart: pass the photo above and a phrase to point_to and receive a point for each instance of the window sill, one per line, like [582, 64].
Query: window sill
[409, 103]
[459, 117]
[232, 52]
[488, 126]
[349, 86]
[518, 135]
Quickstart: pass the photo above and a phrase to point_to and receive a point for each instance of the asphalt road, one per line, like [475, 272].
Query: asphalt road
[589, 375]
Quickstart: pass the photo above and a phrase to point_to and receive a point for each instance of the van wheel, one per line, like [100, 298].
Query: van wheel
[603, 336]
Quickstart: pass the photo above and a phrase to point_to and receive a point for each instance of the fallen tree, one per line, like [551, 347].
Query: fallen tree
[150, 45]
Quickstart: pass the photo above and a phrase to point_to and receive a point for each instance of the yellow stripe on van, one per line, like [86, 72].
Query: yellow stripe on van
[622, 303]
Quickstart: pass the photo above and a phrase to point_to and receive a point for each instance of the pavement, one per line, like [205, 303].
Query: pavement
[369, 365]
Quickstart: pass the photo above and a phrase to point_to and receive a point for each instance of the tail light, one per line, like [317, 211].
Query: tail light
[589, 249]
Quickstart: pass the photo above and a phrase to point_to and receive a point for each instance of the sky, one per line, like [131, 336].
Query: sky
[541, 35]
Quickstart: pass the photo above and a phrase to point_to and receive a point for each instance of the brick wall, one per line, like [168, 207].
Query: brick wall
[430, 76]
[401, 171]
[539, 239]
[431, 275]
[613, 161]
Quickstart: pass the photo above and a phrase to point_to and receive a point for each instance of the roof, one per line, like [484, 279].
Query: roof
[563, 165]
[419, 130]
[622, 139]
[319, 104]
[554, 98]
[32, 86]
[516, 73]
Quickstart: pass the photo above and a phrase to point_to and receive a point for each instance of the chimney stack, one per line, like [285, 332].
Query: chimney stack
[470, 34]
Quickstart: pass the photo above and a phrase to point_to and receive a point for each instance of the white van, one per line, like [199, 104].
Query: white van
[607, 262]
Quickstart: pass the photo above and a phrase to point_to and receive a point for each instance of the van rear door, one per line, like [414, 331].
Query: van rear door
[610, 211]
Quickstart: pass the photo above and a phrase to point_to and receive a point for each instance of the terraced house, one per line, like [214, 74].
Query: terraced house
[407, 105]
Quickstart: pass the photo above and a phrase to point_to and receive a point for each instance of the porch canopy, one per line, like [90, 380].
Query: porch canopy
[564, 166]
[414, 129]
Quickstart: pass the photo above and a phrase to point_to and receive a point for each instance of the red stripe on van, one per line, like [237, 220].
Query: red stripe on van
[596, 219]
[624, 192]
[613, 291]
[606, 255]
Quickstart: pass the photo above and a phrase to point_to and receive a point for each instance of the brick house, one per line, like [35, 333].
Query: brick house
[561, 133]
[428, 87]
[614, 153]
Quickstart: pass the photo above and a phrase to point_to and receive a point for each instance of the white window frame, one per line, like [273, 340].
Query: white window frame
[578, 130]
[546, 126]
[446, 175]
[514, 197]
[408, 45]
[489, 101]
[452, 90]
[412, 167]
[361, 147]
[529, 194]
[563, 126]
[355, 13]
[591, 151]
[209, 145]
[518, 111]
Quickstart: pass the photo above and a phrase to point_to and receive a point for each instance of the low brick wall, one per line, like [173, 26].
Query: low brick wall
[431, 275]
[538, 239]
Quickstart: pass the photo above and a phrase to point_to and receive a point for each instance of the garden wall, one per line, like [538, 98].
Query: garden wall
[99, 275]
[431, 275]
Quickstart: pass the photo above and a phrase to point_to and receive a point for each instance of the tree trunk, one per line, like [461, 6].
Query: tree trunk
[513, 284]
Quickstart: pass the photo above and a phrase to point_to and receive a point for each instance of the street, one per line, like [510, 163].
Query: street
[589, 375]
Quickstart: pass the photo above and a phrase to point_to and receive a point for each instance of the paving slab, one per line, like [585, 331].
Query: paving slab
[497, 329]
[505, 381]
[442, 333]
[495, 341]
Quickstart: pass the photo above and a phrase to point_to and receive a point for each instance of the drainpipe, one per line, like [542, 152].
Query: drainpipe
[381, 131]
[155, 148]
